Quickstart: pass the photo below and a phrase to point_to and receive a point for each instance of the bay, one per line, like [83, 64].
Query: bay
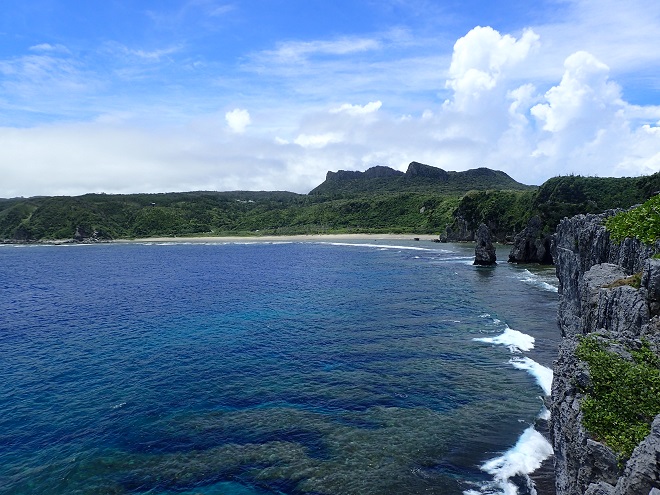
[303, 367]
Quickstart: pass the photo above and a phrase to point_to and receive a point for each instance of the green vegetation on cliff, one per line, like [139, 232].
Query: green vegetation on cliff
[571, 195]
[624, 395]
[642, 222]
[504, 212]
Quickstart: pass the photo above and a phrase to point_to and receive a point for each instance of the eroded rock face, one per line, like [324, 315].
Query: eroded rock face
[596, 298]
[532, 245]
[460, 233]
[580, 243]
[484, 252]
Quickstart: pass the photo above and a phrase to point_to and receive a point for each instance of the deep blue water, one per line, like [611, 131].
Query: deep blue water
[291, 368]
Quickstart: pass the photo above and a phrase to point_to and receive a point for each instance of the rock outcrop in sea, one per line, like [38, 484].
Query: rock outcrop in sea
[484, 252]
[532, 245]
[591, 268]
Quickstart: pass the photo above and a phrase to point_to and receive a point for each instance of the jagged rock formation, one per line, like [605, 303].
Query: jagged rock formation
[459, 231]
[587, 264]
[532, 245]
[484, 252]
[371, 173]
[417, 178]
[416, 169]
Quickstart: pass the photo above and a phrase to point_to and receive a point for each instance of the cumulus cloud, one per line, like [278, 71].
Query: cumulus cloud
[584, 92]
[488, 108]
[481, 58]
[238, 120]
[581, 124]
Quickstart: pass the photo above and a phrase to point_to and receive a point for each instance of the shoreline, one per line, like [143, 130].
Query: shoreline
[287, 238]
[237, 239]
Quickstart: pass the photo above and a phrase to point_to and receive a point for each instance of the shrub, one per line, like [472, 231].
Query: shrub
[642, 222]
[624, 395]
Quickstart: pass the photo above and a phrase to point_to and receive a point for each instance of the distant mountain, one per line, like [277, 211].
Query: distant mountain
[418, 178]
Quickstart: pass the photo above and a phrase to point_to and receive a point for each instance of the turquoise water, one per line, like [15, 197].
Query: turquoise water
[290, 368]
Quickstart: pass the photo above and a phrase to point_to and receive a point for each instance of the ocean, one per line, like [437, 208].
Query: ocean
[360, 367]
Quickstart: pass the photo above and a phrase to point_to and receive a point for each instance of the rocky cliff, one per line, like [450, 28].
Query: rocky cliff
[532, 244]
[598, 299]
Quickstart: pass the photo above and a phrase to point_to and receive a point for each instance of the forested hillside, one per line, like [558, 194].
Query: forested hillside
[425, 200]
[506, 212]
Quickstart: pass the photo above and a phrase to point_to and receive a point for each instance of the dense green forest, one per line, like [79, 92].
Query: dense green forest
[425, 200]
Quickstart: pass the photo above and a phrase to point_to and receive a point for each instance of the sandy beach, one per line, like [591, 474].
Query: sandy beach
[289, 238]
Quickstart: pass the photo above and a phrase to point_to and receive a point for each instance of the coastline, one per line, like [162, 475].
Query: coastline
[237, 239]
[286, 238]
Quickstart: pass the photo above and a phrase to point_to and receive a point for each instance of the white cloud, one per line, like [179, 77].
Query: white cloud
[584, 93]
[518, 102]
[296, 51]
[370, 107]
[481, 58]
[47, 47]
[238, 120]
[318, 140]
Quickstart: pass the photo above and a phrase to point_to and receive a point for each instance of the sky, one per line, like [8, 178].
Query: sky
[124, 96]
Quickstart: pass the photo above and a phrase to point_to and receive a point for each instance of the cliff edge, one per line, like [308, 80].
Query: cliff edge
[611, 292]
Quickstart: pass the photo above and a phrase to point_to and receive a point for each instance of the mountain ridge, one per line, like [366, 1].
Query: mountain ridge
[418, 177]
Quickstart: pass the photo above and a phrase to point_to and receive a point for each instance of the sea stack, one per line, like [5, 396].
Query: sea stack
[484, 252]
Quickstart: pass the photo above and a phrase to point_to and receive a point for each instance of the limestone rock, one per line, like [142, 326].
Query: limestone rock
[532, 245]
[461, 231]
[642, 473]
[484, 252]
[600, 488]
[587, 264]
[651, 282]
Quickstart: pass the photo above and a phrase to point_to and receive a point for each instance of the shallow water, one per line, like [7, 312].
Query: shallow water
[285, 368]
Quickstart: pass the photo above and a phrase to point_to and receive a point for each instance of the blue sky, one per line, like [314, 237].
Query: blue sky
[148, 96]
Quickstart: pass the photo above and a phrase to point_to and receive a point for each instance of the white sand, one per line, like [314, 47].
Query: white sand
[297, 238]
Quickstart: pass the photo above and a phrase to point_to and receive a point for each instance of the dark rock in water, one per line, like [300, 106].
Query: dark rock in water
[484, 252]
[532, 245]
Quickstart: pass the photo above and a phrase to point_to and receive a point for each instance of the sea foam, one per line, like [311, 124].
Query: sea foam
[523, 458]
[542, 373]
[533, 279]
[516, 341]
[379, 246]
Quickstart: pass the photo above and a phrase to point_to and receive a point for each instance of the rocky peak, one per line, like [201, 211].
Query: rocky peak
[371, 173]
[416, 169]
